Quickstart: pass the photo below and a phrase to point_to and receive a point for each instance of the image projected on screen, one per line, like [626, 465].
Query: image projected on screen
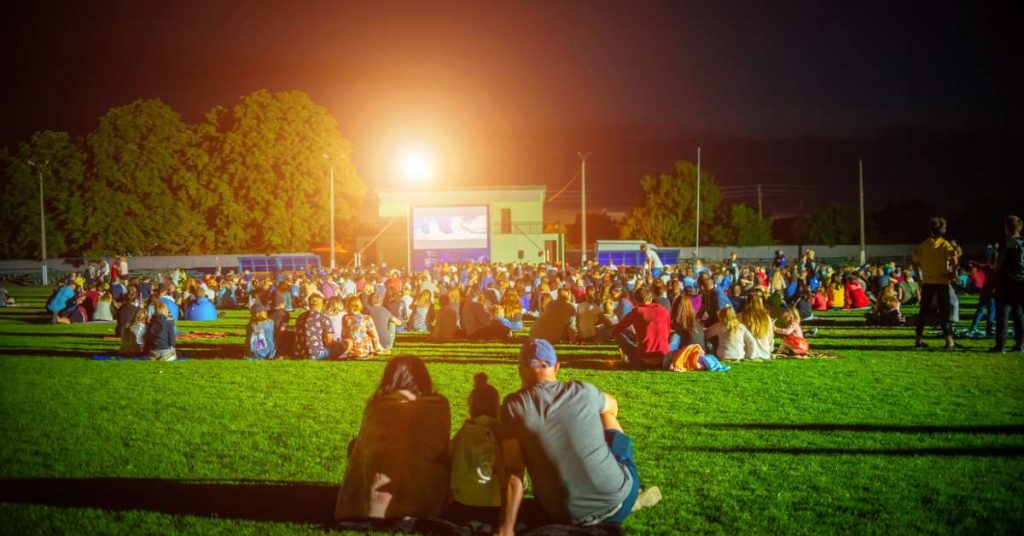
[445, 228]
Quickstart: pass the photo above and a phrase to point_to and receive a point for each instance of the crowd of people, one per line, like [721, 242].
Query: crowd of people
[565, 434]
[650, 312]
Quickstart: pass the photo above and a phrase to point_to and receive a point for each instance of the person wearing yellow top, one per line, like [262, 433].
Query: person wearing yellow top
[936, 259]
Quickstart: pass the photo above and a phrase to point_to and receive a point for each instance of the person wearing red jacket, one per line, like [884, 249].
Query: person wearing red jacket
[856, 298]
[654, 338]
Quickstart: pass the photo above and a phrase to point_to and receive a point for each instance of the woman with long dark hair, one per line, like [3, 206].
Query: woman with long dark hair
[398, 464]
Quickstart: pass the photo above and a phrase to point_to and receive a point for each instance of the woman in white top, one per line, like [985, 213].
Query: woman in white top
[757, 320]
[735, 343]
[335, 310]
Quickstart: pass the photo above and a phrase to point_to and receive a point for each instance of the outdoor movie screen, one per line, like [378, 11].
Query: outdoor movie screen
[447, 234]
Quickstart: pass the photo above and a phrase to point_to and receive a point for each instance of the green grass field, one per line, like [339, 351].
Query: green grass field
[879, 440]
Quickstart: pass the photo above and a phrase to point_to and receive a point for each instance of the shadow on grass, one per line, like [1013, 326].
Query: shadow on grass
[981, 452]
[256, 501]
[1010, 429]
[282, 502]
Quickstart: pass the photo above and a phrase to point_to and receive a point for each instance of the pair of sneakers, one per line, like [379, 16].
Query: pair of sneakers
[1002, 349]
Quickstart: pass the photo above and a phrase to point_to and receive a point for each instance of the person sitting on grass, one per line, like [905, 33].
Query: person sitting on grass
[557, 321]
[568, 436]
[511, 310]
[477, 322]
[334, 308]
[313, 333]
[856, 297]
[421, 313]
[398, 464]
[160, 335]
[104, 308]
[886, 311]
[61, 299]
[384, 321]
[358, 331]
[605, 323]
[793, 341]
[735, 343]
[477, 465]
[446, 326]
[587, 314]
[260, 335]
[653, 339]
[685, 323]
[836, 293]
[133, 336]
[758, 321]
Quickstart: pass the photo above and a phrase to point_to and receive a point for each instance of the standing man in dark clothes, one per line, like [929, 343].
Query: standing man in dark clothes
[1010, 285]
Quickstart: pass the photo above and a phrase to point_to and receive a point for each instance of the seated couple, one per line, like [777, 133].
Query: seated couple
[314, 332]
[566, 435]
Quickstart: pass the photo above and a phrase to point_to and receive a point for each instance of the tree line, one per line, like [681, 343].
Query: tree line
[250, 178]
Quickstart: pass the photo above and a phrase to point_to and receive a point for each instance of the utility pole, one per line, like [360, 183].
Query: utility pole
[760, 210]
[42, 221]
[583, 209]
[860, 180]
[696, 247]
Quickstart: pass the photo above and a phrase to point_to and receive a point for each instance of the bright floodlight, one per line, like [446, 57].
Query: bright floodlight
[415, 167]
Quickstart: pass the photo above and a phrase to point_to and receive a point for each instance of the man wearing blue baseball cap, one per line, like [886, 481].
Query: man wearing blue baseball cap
[567, 434]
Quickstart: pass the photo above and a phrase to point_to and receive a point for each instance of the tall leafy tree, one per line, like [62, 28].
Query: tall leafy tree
[749, 228]
[142, 195]
[666, 213]
[267, 160]
[834, 224]
[60, 164]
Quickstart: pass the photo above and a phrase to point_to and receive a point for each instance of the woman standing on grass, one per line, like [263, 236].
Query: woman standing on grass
[398, 465]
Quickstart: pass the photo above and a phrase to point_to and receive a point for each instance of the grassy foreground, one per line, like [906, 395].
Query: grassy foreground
[881, 439]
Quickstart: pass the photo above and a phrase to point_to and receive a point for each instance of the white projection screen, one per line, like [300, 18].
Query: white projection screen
[449, 234]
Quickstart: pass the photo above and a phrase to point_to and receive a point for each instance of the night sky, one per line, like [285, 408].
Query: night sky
[785, 93]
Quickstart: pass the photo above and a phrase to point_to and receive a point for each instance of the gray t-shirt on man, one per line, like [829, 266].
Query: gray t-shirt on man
[574, 474]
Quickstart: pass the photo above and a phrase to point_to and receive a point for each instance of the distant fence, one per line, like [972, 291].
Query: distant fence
[31, 269]
[628, 252]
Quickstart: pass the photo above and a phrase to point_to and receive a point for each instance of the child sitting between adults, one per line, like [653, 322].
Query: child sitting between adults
[476, 459]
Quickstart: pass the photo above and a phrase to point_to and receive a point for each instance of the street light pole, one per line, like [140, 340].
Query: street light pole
[696, 240]
[332, 218]
[42, 221]
[331, 164]
[583, 209]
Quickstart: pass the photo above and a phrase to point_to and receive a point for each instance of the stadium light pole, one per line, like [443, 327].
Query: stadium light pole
[583, 208]
[42, 219]
[331, 164]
